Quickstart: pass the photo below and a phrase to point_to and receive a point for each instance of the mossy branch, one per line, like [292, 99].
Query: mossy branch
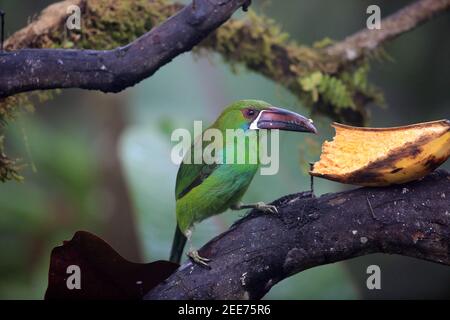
[321, 76]
[119, 68]
[256, 41]
[365, 41]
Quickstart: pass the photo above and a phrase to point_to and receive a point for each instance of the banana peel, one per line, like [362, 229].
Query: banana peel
[383, 156]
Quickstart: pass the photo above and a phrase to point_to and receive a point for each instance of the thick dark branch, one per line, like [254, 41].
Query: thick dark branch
[260, 250]
[358, 45]
[114, 70]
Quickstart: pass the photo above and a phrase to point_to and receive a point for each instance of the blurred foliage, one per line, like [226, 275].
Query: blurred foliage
[332, 89]
[57, 198]
[9, 108]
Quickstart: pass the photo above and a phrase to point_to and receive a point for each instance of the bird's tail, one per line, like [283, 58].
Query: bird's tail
[179, 241]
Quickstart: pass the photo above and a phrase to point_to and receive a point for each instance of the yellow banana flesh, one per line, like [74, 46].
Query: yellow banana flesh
[383, 156]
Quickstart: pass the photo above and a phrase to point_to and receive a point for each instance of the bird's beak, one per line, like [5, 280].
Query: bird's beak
[277, 118]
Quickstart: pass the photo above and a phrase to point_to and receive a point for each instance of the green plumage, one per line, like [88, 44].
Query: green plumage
[203, 190]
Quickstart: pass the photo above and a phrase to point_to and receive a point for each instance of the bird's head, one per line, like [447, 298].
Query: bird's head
[256, 114]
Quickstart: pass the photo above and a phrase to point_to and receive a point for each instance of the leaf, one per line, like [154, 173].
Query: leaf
[104, 274]
[325, 42]
[334, 91]
[311, 82]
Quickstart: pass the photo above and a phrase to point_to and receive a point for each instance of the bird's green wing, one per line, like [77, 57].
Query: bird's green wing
[191, 175]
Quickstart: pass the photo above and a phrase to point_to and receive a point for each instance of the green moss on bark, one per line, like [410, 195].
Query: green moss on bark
[316, 78]
[320, 81]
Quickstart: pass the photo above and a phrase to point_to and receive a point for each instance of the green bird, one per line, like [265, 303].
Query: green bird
[204, 189]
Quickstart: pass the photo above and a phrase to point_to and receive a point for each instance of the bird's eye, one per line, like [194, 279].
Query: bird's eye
[250, 112]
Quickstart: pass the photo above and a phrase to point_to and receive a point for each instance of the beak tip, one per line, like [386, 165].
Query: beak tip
[312, 127]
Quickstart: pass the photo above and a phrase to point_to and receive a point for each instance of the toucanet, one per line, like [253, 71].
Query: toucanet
[211, 187]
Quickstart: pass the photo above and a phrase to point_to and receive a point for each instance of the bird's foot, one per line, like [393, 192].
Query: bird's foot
[195, 257]
[267, 208]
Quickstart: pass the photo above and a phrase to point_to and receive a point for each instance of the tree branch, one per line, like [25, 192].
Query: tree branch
[117, 69]
[365, 41]
[255, 42]
[260, 250]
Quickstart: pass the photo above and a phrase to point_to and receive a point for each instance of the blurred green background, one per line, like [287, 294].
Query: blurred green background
[101, 163]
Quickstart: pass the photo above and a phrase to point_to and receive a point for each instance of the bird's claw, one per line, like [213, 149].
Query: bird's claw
[195, 257]
[267, 208]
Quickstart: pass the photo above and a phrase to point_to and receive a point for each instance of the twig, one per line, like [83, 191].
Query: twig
[365, 41]
[371, 209]
[311, 179]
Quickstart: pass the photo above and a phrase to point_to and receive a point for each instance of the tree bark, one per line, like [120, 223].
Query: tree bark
[117, 69]
[365, 41]
[260, 250]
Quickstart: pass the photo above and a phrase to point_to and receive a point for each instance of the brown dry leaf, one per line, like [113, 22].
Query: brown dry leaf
[104, 274]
